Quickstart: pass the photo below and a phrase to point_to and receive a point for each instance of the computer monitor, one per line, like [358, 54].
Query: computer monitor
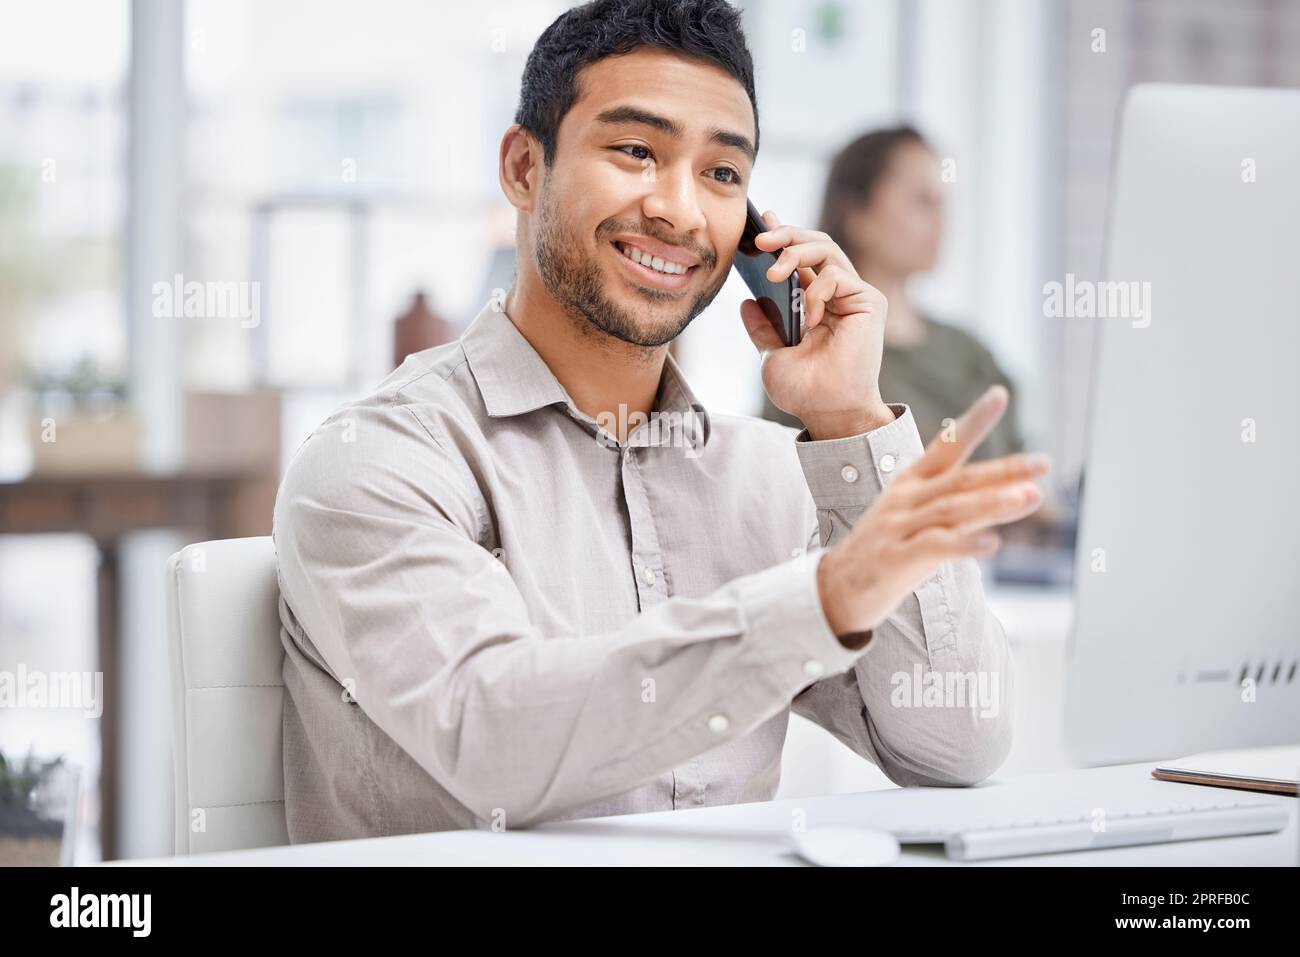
[1187, 571]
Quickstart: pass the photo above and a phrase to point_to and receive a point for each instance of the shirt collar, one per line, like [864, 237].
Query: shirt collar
[513, 379]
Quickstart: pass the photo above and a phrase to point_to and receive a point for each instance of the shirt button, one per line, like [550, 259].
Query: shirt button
[887, 462]
[627, 454]
[719, 723]
[648, 576]
[849, 473]
[813, 668]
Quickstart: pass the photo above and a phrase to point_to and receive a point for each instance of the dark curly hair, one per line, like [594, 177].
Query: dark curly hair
[701, 29]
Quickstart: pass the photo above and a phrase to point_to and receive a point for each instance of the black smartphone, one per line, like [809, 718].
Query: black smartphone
[782, 301]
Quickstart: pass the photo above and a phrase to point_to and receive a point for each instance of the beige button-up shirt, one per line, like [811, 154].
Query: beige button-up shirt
[495, 614]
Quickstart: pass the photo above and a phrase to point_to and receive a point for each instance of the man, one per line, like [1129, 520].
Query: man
[531, 578]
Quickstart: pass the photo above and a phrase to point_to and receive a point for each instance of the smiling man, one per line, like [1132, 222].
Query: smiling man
[497, 610]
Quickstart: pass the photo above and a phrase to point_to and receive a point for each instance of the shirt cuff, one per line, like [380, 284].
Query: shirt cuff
[853, 471]
[784, 616]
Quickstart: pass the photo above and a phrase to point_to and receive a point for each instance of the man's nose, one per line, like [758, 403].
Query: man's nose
[672, 197]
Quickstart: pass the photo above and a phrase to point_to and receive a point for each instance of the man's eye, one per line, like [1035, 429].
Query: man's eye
[733, 181]
[643, 155]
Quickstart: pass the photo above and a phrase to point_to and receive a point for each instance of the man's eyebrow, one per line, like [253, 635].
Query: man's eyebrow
[736, 140]
[634, 114]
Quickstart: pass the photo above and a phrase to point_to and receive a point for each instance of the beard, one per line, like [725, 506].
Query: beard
[575, 281]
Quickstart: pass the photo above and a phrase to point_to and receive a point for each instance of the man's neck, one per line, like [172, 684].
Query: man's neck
[600, 373]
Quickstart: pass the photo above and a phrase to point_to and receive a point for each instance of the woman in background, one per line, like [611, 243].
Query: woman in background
[884, 207]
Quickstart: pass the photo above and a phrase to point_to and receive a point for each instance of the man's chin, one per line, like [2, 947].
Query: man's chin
[646, 333]
[622, 316]
[638, 320]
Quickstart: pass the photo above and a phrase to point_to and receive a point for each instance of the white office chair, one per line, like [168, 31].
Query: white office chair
[227, 695]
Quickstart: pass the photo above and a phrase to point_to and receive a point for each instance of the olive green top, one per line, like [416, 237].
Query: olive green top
[938, 379]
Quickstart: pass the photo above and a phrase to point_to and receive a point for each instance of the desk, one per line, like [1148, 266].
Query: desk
[759, 834]
[107, 507]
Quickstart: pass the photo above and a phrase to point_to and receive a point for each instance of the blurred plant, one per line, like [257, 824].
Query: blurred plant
[18, 781]
[30, 833]
[85, 385]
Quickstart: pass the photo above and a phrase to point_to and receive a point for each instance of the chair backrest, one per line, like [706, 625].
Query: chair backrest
[227, 695]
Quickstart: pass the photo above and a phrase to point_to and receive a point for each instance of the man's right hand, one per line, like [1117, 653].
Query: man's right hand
[938, 509]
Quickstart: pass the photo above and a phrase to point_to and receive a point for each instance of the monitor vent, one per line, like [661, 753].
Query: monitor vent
[1269, 673]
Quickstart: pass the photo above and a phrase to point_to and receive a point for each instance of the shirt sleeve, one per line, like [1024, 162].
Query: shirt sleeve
[377, 532]
[929, 699]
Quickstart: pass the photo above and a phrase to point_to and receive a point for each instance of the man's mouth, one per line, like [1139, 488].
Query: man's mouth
[657, 263]
[653, 268]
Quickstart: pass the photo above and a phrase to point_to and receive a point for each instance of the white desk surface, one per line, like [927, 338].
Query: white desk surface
[759, 833]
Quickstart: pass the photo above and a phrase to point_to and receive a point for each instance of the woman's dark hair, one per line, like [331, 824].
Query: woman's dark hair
[855, 173]
[703, 29]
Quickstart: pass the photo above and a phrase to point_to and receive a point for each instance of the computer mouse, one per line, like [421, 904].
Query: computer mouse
[846, 846]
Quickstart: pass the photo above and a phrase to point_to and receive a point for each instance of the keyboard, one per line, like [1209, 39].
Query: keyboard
[1156, 824]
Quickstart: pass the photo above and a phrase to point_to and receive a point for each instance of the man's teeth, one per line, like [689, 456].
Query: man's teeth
[653, 262]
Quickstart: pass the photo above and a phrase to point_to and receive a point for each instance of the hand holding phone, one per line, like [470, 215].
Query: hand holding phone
[781, 301]
[836, 319]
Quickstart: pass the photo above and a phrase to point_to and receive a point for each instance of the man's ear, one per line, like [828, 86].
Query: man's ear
[519, 167]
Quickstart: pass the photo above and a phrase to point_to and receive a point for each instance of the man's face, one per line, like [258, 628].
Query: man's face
[639, 216]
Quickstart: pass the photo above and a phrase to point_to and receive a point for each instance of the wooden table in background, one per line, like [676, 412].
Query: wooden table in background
[107, 507]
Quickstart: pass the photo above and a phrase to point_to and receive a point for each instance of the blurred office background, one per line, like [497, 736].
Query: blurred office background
[342, 157]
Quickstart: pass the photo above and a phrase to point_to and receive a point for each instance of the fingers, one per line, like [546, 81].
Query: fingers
[936, 545]
[1022, 467]
[971, 511]
[761, 332]
[968, 432]
[779, 237]
[833, 284]
[824, 274]
[812, 255]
